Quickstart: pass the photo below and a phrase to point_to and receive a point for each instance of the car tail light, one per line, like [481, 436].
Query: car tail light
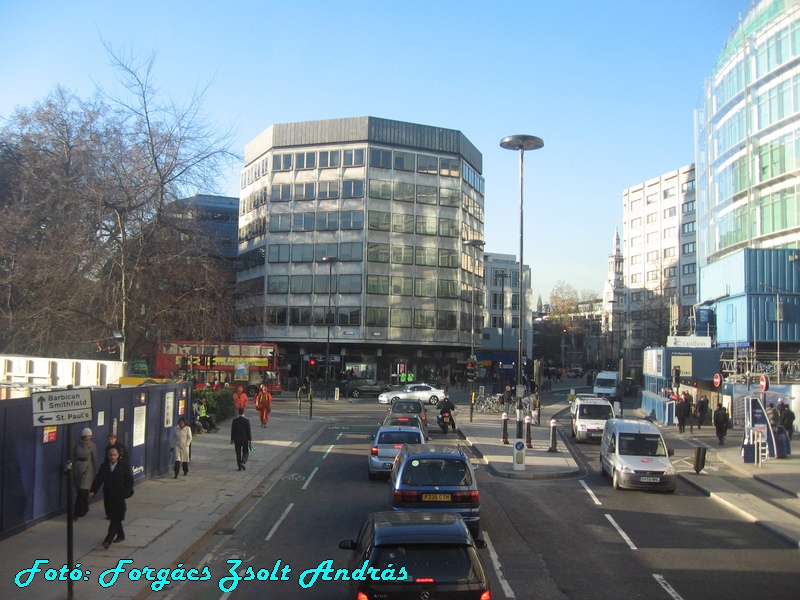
[487, 595]
[406, 496]
[399, 446]
[472, 496]
[373, 451]
[423, 580]
[363, 596]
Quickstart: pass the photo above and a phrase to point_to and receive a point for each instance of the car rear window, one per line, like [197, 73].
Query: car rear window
[399, 437]
[436, 471]
[444, 563]
[596, 411]
[640, 444]
[406, 407]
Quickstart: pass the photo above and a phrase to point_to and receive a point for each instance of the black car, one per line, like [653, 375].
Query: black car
[427, 555]
[364, 387]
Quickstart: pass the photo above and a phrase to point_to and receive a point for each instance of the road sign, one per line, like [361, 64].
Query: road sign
[717, 380]
[763, 383]
[62, 408]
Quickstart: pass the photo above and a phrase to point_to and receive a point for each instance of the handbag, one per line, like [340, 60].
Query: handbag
[251, 447]
[129, 493]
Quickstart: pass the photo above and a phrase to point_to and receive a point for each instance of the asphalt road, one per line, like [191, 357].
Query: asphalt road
[573, 538]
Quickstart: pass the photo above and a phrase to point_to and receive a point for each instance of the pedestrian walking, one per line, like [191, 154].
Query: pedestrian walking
[240, 398]
[181, 446]
[116, 478]
[241, 438]
[508, 400]
[773, 416]
[787, 421]
[113, 442]
[702, 410]
[84, 468]
[721, 422]
[264, 404]
[681, 413]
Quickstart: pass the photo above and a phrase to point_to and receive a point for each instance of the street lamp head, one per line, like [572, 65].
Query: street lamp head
[475, 243]
[521, 142]
[330, 259]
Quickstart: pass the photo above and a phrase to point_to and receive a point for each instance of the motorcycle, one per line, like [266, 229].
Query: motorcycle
[445, 421]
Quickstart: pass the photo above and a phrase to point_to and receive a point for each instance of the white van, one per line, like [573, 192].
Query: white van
[633, 452]
[606, 384]
[589, 417]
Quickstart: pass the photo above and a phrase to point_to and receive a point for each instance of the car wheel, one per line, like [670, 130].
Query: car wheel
[433, 400]
[252, 390]
[602, 468]
[395, 399]
[615, 480]
[475, 530]
[355, 393]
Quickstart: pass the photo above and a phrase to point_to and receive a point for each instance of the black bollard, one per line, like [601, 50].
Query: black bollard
[553, 436]
[528, 443]
[504, 439]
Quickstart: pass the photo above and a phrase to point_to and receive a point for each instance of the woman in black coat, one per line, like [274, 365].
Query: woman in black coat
[116, 478]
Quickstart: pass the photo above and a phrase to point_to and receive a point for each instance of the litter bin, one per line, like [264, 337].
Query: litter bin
[748, 453]
[699, 459]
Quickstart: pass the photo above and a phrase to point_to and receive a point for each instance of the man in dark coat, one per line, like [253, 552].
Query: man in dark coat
[113, 442]
[702, 410]
[241, 438]
[116, 478]
[681, 413]
[721, 422]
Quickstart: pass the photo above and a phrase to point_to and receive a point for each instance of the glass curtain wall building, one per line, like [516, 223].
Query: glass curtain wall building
[397, 204]
[748, 137]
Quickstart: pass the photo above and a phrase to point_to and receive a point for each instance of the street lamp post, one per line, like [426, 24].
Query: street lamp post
[521, 143]
[330, 260]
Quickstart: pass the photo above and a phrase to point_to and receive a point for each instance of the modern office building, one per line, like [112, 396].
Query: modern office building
[651, 289]
[748, 137]
[361, 239]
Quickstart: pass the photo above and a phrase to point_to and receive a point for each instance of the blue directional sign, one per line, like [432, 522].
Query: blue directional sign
[63, 407]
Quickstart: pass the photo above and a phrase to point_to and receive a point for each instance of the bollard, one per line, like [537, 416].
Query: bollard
[528, 443]
[299, 401]
[553, 436]
[504, 439]
[519, 419]
[471, 406]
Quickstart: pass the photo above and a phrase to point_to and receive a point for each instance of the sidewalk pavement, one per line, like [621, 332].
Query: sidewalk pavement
[166, 517]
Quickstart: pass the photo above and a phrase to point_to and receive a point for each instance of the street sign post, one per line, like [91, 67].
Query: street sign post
[63, 407]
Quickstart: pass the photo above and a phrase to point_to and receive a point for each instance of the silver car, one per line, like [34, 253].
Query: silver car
[415, 391]
[387, 443]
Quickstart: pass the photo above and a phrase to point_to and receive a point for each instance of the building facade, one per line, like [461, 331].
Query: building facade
[748, 137]
[360, 240]
[658, 282]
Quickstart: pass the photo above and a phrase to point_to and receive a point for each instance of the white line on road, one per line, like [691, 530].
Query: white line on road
[327, 451]
[275, 527]
[507, 591]
[622, 533]
[669, 589]
[590, 492]
[305, 485]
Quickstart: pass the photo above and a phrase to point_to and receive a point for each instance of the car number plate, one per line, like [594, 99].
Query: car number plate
[436, 497]
[446, 419]
[388, 465]
[649, 479]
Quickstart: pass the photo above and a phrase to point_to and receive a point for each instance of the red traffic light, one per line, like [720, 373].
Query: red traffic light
[313, 362]
[470, 365]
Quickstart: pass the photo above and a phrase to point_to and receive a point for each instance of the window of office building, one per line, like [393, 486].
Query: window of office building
[349, 315]
[670, 232]
[669, 193]
[670, 271]
[687, 186]
[403, 192]
[636, 296]
[670, 252]
[350, 283]
[425, 288]
[449, 167]
[305, 160]
[449, 258]
[281, 162]
[380, 189]
[449, 228]
[652, 256]
[670, 212]
[353, 188]
[354, 158]
[277, 315]
[424, 319]
[688, 207]
[427, 164]
[636, 259]
[328, 190]
[636, 241]
[279, 253]
[300, 284]
[425, 257]
[400, 317]
[303, 221]
[380, 220]
[380, 158]
[402, 255]
[449, 197]
[300, 315]
[402, 223]
[637, 222]
[324, 250]
[278, 284]
[636, 205]
[321, 314]
[446, 319]
[636, 277]
[404, 161]
[281, 192]
[302, 253]
[426, 225]
[328, 159]
[652, 275]
[402, 286]
[689, 268]
[689, 248]
[689, 227]
[652, 218]
[447, 288]
[351, 251]
[652, 237]
[352, 219]
[378, 284]
[327, 221]
[377, 252]
[377, 317]
[321, 283]
[689, 289]
[652, 198]
[427, 194]
[279, 223]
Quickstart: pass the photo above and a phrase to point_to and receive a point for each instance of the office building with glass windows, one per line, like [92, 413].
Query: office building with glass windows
[361, 239]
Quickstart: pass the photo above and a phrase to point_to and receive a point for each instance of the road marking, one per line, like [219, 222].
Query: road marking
[622, 533]
[305, 485]
[498, 569]
[328, 451]
[275, 527]
[669, 589]
[590, 492]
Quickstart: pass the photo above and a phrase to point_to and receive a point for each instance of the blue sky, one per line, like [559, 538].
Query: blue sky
[609, 85]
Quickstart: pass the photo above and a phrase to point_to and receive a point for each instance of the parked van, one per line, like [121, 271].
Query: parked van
[589, 417]
[607, 384]
[633, 453]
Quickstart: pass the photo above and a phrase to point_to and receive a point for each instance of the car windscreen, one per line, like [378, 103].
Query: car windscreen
[406, 407]
[641, 444]
[399, 437]
[436, 471]
[605, 383]
[596, 411]
[443, 563]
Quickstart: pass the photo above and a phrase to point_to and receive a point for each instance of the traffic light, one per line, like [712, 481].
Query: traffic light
[312, 362]
[470, 370]
[676, 376]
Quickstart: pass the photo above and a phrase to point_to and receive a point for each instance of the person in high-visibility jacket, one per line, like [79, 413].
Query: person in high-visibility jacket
[240, 398]
[264, 404]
